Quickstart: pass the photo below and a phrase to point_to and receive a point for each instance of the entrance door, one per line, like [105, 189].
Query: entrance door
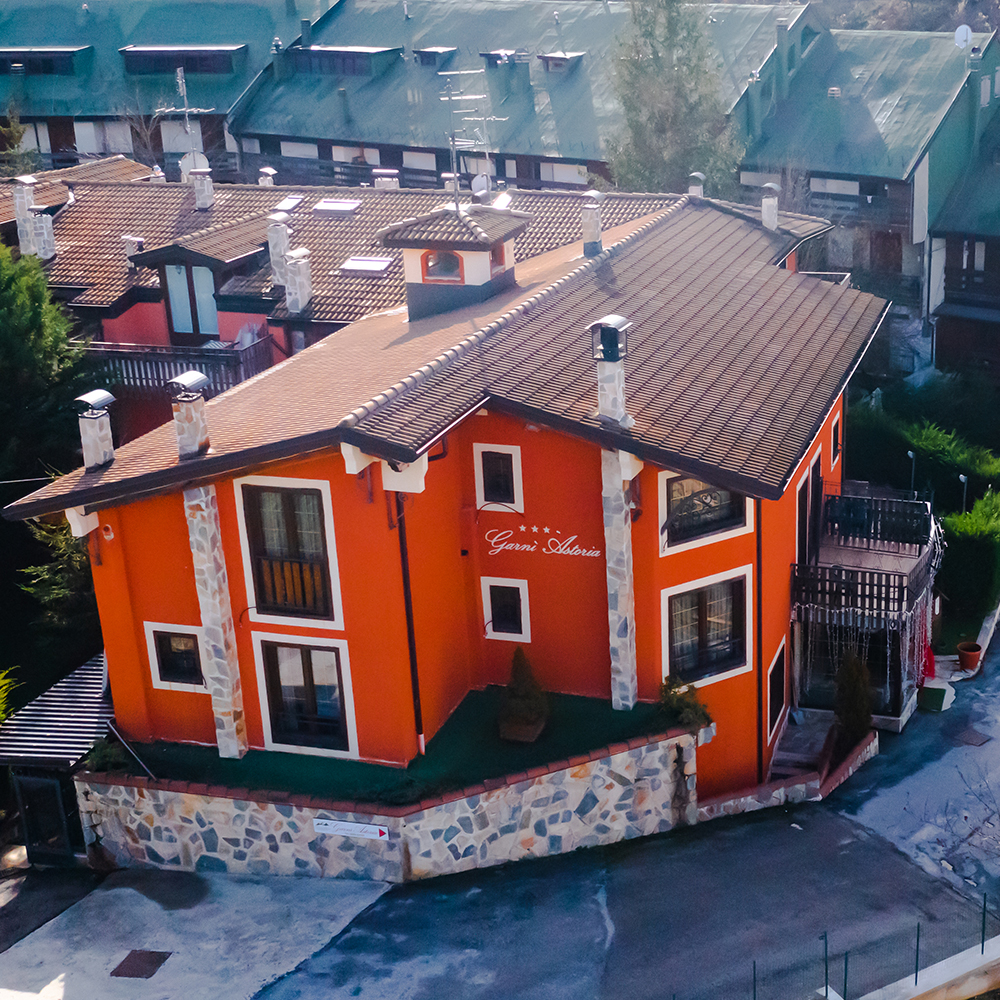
[49, 818]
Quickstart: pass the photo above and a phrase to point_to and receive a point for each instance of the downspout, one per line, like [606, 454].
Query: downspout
[759, 640]
[411, 635]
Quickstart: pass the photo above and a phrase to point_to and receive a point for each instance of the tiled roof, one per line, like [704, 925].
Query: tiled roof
[724, 341]
[472, 226]
[61, 725]
[52, 189]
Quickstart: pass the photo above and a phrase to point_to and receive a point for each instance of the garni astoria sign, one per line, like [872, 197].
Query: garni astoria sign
[547, 542]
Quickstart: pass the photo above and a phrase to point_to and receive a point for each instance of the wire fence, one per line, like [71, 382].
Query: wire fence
[844, 966]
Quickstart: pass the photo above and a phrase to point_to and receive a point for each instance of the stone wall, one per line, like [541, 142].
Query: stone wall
[627, 790]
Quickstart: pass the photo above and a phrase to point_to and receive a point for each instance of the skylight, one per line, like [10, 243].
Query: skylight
[370, 265]
[337, 205]
[287, 204]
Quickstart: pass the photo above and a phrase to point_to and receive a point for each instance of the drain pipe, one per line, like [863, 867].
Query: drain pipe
[411, 635]
[759, 642]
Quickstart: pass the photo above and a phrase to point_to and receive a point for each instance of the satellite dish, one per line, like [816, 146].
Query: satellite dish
[192, 161]
[963, 36]
[480, 184]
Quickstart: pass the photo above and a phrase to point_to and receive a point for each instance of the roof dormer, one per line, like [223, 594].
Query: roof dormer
[453, 257]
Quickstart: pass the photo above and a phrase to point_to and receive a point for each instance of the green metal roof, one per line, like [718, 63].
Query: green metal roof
[101, 87]
[565, 114]
[896, 87]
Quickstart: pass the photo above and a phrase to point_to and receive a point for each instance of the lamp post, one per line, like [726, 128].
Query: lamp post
[964, 480]
[913, 468]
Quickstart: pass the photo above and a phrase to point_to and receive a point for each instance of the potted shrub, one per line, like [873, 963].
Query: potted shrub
[680, 707]
[524, 708]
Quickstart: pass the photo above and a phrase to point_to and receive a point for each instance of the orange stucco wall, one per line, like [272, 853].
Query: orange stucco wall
[143, 573]
[230, 323]
[143, 323]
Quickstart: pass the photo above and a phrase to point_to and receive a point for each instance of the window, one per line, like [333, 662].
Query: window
[191, 293]
[835, 442]
[39, 62]
[496, 260]
[305, 695]
[288, 551]
[776, 691]
[695, 508]
[442, 265]
[706, 628]
[505, 609]
[149, 60]
[175, 656]
[498, 477]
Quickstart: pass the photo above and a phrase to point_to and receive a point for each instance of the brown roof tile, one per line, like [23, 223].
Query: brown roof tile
[476, 226]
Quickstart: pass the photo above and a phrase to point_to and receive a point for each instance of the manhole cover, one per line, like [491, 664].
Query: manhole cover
[140, 964]
[972, 737]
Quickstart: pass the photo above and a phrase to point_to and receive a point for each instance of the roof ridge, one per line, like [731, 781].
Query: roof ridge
[464, 347]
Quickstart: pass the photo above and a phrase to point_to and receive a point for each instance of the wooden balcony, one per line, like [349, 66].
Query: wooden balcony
[144, 370]
[292, 586]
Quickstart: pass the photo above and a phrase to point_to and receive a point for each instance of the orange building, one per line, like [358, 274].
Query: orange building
[613, 461]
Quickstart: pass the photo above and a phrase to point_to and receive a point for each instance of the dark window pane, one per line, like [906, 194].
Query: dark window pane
[707, 630]
[498, 477]
[178, 658]
[304, 695]
[696, 508]
[505, 607]
[776, 691]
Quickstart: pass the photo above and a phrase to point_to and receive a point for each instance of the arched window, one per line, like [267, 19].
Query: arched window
[442, 265]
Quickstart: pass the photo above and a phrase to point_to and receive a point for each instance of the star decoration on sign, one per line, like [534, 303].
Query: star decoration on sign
[523, 528]
[546, 530]
[534, 529]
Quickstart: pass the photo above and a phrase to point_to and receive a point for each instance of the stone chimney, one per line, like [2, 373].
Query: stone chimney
[42, 236]
[24, 201]
[278, 245]
[608, 336]
[266, 177]
[591, 219]
[132, 246]
[305, 30]
[298, 280]
[95, 428]
[386, 179]
[204, 192]
[769, 206]
[782, 44]
[190, 421]
[157, 176]
[696, 184]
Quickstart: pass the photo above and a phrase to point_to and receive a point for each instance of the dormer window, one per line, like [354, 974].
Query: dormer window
[442, 265]
[146, 60]
[503, 57]
[560, 62]
[56, 61]
[436, 55]
[346, 60]
[497, 260]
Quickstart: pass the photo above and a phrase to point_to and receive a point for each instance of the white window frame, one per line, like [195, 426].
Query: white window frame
[154, 661]
[499, 581]
[835, 453]
[666, 549]
[346, 694]
[706, 581]
[806, 478]
[506, 449]
[784, 708]
[323, 485]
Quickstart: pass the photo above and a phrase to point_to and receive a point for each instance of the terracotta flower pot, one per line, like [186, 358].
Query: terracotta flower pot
[968, 655]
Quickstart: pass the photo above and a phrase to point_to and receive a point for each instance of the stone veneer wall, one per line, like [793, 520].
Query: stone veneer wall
[626, 790]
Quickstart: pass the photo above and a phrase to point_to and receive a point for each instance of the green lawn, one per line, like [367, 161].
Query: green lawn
[465, 752]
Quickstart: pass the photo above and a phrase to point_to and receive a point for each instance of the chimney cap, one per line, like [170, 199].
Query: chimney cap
[187, 385]
[278, 217]
[609, 337]
[385, 172]
[594, 195]
[28, 179]
[698, 175]
[301, 253]
[200, 172]
[270, 171]
[95, 401]
[772, 187]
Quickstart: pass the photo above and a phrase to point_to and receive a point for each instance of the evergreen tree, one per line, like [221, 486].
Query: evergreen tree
[13, 160]
[674, 120]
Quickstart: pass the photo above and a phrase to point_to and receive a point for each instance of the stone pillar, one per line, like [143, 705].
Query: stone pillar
[621, 596]
[221, 666]
[95, 437]
[611, 391]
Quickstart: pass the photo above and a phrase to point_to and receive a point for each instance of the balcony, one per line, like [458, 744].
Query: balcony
[143, 370]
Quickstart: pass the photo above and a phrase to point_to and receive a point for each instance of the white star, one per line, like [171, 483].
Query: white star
[534, 528]
[546, 530]
[523, 528]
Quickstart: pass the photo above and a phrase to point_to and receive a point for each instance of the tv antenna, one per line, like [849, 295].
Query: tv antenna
[475, 112]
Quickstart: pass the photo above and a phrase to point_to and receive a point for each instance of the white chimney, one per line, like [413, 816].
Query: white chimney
[769, 206]
[42, 236]
[190, 421]
[592, 244]
[204, 193]
[24, 201]
[95, 428]
[298, 280]
[157, 176]
[610, 345]
[266, 177]
[132, 245]
[386, 179]
[278, 245]
[696, 184]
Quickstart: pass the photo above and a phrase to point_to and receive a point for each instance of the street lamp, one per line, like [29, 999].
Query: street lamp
[964, 480]
[913, 468]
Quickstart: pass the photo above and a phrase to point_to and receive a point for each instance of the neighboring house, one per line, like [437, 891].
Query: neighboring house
[165, 277]
[328, 559]
[98, 78]
[875, 137]
[373, 85]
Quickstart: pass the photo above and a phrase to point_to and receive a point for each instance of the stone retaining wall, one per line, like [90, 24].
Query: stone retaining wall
[627, 790]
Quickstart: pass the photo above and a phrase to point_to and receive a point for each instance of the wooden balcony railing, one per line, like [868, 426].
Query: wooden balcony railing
[143, 369]
[875, 522]
[292, 586]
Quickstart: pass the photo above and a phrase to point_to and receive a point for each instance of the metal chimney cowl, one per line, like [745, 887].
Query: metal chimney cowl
[187, 401]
